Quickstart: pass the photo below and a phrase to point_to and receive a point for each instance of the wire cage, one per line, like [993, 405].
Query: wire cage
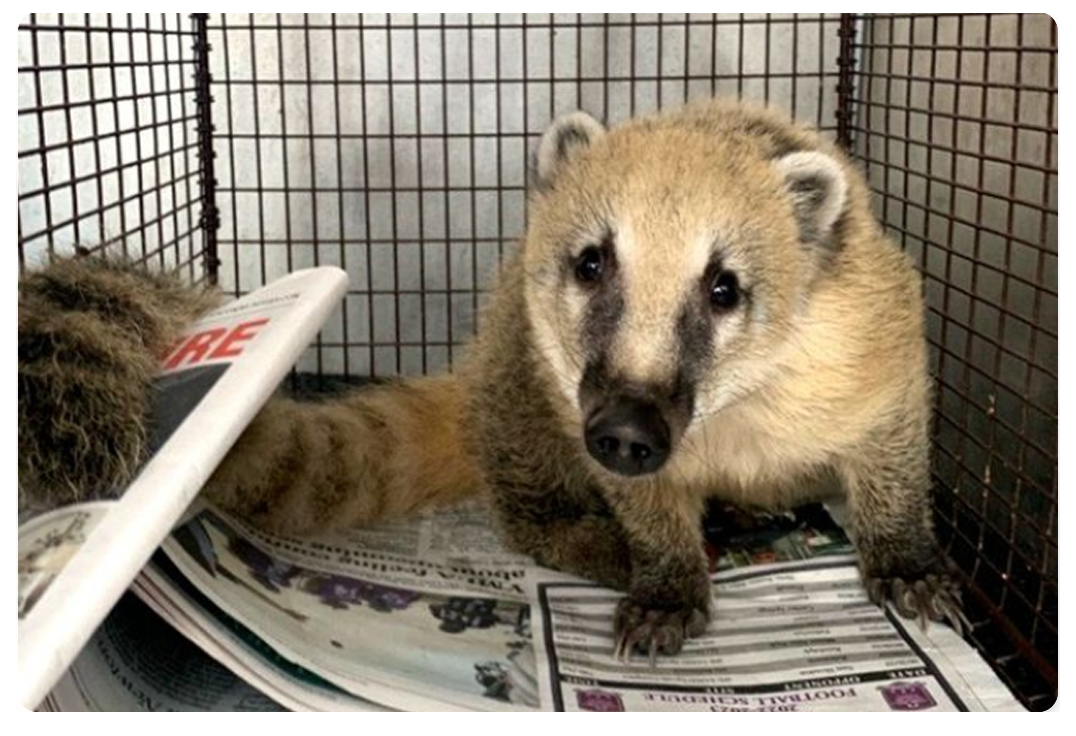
[239, 147]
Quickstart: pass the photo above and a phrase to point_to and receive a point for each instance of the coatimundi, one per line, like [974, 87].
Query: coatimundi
[703, 305]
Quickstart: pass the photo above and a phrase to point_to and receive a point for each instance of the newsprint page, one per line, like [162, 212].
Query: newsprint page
[434, 614]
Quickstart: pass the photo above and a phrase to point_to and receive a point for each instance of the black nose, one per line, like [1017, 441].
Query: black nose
[628, 436]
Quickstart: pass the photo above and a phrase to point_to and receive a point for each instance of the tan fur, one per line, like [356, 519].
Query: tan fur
[819, 374]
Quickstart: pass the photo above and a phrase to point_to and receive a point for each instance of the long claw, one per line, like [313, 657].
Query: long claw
[925, 605]
[638, 636]
[652, 632]
[934, 597]
[696, 624]
[954, 614]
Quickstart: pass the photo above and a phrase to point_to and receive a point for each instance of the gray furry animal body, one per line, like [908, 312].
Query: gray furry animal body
[91, 334]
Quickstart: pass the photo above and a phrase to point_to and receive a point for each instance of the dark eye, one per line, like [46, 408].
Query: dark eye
[725, 291]
[590, 264]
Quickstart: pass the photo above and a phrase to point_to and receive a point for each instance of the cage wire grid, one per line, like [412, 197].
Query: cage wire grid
[108, 138]
[956, 123]
[240, 147]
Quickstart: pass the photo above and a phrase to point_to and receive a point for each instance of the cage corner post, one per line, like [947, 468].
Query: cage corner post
[846, 80]
[209, 218]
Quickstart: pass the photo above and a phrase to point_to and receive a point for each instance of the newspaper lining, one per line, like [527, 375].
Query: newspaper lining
[226, 641]
[796, 634]
[48, 542]
[136, 662]
[441, 642]
[786, 637]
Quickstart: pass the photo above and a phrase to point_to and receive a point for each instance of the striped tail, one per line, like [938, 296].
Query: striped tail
[380, 452]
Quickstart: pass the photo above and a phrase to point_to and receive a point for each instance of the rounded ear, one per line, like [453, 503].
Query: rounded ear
[819, 192]
[564, 138]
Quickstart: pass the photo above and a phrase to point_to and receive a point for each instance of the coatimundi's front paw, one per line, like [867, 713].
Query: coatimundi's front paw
[933, 595]
[654, 631]
[662, 610]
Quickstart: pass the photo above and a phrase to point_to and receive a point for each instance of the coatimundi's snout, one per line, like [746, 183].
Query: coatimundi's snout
[628, 436]
[628, 427]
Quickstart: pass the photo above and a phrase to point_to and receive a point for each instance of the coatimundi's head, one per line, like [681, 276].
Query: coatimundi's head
[666, 263]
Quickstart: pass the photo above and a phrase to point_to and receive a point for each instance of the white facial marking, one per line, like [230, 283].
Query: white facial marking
[657, 278]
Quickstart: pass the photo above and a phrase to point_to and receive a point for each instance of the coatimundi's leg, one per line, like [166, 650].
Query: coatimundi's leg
[888, 487]
[579, 536]
[669, 595]
[643, 539]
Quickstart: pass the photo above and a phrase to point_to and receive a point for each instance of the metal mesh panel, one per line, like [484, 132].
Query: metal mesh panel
[956, 121]
[108, 145]
[398, 146]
